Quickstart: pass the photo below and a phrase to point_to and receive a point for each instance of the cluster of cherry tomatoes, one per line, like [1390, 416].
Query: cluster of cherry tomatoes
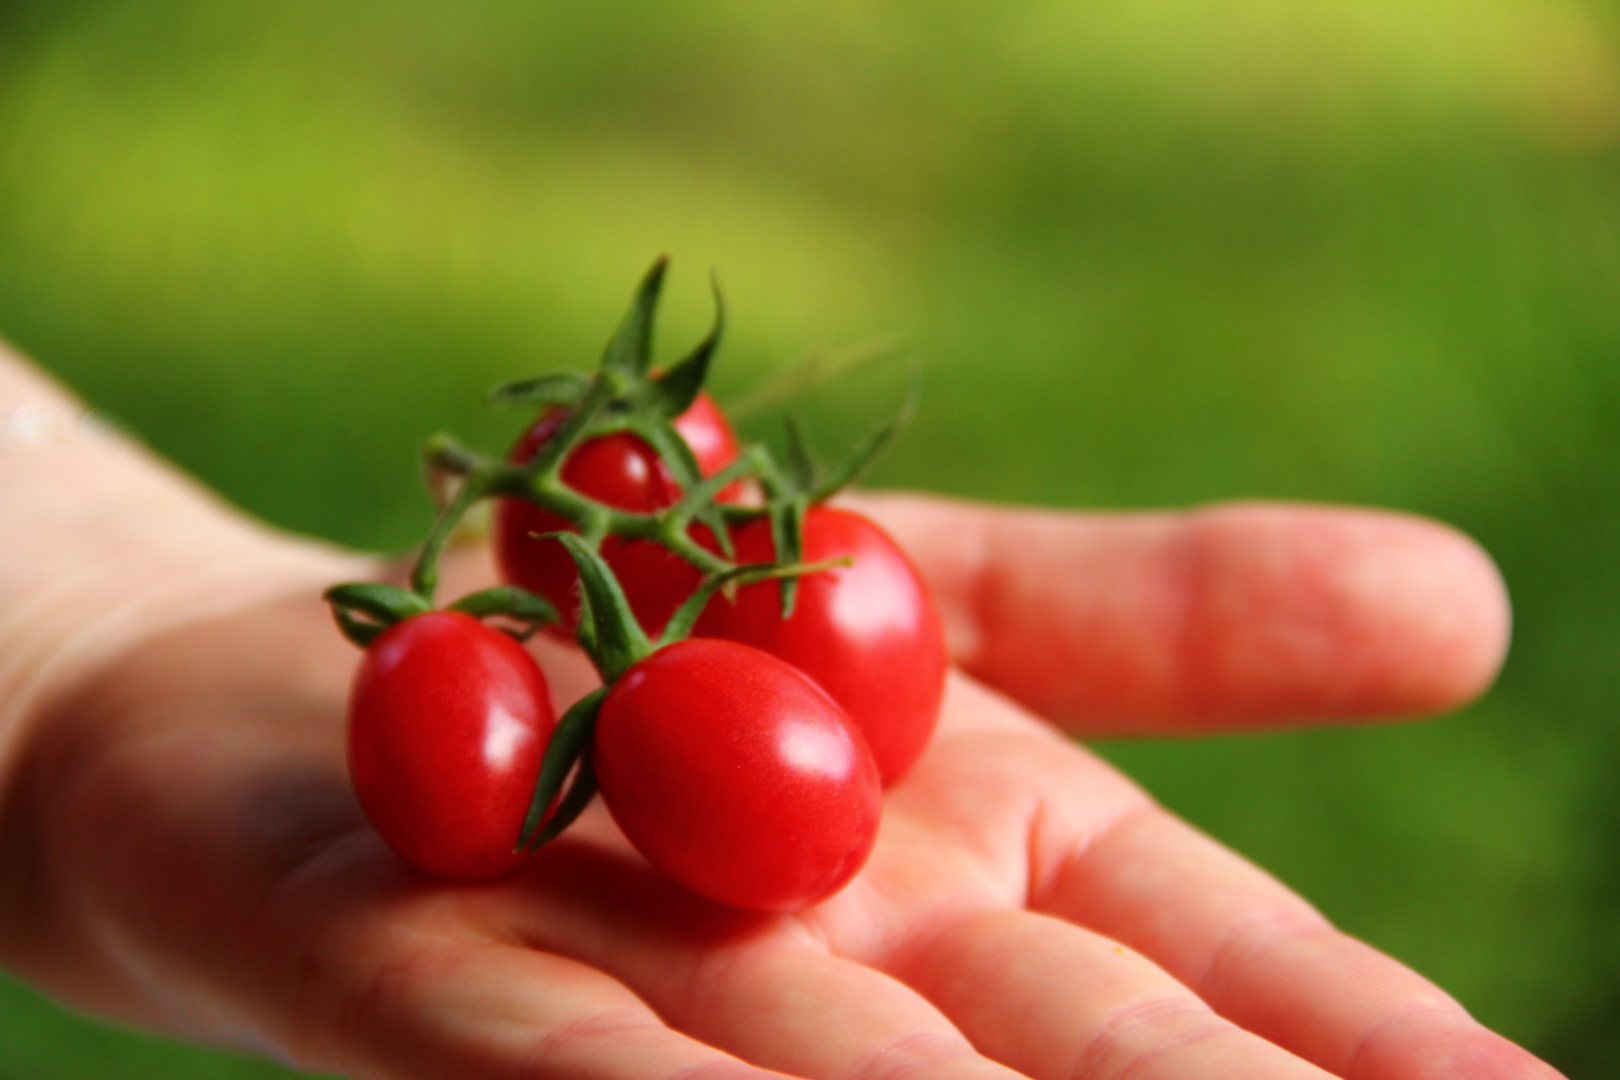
[747, 724]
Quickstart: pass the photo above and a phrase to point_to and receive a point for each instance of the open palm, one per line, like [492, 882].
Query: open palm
[184, 851]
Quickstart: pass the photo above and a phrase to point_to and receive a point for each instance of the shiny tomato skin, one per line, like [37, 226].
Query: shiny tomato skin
[448, 719]
[868, 633]
[708, 433]
[737, 776]
[626, 473]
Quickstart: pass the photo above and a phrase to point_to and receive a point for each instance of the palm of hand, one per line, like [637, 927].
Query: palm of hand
[1027, 910]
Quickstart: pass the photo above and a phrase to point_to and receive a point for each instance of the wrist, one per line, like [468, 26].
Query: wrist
[105, 545]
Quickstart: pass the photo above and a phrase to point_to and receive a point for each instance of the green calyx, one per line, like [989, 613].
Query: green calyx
[365, 609]
[529, 611]
[569, 751]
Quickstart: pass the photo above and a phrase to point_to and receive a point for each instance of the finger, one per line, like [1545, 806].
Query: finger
[1265, 959]
[417, 1005]
[1055, 1001]
[764, 988]
[1087, 845]
[1237, 615]
[1049, 998]
[801, 1011]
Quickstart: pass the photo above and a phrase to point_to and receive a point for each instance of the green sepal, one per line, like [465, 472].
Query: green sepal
[385, 603]
[686, 616]
[836, 479]
[668, 444]
[672, 392]
[615, 639]
[570, 743]
[574, 801]
[680, 624]
[518, 604]
[801, 462]
[630, 350]
[359, 631]
[673, 451]
[381, 605]
[787, 535]
[564, 388]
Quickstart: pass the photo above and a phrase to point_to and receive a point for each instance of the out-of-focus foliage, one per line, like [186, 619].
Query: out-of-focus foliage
[1150, 252]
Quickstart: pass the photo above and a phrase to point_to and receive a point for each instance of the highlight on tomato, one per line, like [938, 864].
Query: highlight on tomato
[737, 776]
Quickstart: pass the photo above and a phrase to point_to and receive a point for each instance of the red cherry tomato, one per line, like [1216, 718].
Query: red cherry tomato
[625, 473]
[867, 633]
[737, 776]
[448, 720]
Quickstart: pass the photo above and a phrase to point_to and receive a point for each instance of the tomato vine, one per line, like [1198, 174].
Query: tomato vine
[629, 414]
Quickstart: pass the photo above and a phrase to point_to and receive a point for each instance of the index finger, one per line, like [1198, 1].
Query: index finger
[1236, 615]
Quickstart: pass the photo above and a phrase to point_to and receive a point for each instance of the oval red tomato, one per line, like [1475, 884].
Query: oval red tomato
[625, 473]
[868, 633]
[448, 720]
[737, 776]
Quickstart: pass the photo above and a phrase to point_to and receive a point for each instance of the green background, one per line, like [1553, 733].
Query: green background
[1151, 252]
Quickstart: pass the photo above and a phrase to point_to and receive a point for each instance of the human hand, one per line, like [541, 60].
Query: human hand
[181, 848]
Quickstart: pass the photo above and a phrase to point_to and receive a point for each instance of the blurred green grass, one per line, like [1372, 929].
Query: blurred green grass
[1153, 252]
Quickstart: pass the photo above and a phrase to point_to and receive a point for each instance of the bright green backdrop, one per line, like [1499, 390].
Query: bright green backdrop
[1152, 251]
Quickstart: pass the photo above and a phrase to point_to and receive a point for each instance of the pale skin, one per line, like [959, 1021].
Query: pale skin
[179, 848]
